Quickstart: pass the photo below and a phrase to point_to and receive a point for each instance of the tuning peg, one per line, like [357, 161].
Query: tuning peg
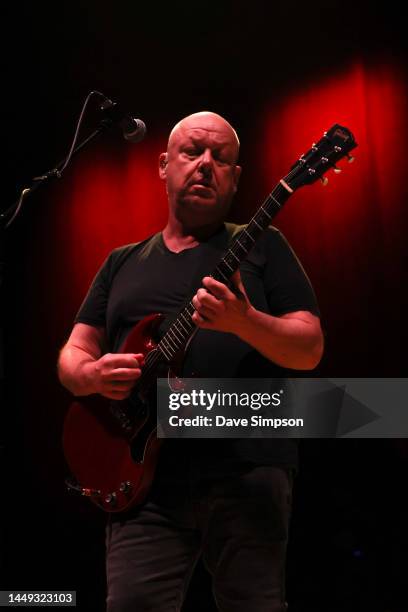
[324, 180]
[336, 169]
[350, 158]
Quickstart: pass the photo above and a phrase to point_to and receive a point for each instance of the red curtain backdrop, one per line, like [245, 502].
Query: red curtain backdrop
[113, 201]
[351, 234]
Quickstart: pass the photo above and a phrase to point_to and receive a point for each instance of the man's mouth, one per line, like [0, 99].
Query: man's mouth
[201, 187]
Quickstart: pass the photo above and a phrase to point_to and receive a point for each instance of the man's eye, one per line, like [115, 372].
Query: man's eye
[191, 152]
[220, 158]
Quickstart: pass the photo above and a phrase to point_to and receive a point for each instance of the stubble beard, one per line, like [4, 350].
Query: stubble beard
[194, 213]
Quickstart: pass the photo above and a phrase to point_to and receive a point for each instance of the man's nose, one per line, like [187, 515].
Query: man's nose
[205, 165]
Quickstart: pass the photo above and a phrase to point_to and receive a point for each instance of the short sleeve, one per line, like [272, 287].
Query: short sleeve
[95, 305]
[93, 309]
[287, 286]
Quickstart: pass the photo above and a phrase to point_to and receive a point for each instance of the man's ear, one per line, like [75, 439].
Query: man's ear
[163, 166]
[237, 174]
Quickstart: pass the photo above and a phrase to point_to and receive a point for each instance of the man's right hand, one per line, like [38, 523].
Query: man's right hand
[113, 375]
[83, 368]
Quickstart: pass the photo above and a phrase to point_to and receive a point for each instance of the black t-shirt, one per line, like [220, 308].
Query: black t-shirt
[144, 278]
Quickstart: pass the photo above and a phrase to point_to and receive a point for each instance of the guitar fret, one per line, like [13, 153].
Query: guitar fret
[172, 343]
[182, 330]
[222, 274]
[234, 256]
[170, 348]
[189, 322]
[245, 231]
[176, 334]
[178, 330]
[276, 201]
[241, 245]
[161, 346]
[235, 251]
[227, 264]
[189, 308]
[182, 326]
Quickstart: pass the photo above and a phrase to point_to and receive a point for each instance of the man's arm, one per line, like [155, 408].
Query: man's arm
[293, 340]
[83, 369]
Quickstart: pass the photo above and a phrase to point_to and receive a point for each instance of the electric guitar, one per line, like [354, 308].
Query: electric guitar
[111, 447]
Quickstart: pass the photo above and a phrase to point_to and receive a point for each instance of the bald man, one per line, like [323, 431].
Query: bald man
[227, 500]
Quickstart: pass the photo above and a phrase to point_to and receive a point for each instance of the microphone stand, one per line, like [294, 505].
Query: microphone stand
[7, 217]
[112, 114]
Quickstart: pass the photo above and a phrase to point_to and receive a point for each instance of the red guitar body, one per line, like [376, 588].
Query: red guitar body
[111, 447]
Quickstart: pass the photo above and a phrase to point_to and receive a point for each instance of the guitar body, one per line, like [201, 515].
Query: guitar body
[111, 446]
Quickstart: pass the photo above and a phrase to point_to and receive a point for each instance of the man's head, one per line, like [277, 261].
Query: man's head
[200, 169]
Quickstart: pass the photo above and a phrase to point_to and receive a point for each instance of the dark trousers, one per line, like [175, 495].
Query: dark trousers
[236, 517]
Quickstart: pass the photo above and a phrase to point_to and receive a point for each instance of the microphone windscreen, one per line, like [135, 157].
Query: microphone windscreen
[134, 130]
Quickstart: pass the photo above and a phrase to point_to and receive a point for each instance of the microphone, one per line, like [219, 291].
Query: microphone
[134, 130]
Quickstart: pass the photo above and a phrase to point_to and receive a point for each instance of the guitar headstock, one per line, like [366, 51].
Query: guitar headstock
[335, 144]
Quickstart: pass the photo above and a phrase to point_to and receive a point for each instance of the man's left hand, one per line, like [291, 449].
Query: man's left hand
[219, 308]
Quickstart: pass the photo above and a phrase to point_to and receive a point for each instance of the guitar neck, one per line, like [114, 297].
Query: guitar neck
[183, 327]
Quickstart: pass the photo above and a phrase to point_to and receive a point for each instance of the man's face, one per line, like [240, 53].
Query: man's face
[200, 169]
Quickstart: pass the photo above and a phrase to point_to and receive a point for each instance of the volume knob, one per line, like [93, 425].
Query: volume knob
[125, 486]
[110, 499]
